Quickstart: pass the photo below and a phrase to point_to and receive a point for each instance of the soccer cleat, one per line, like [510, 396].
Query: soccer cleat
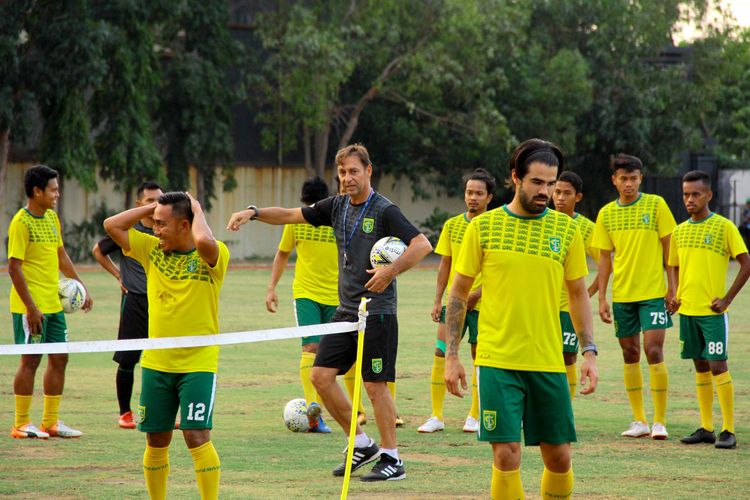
[471, 424]
[27, 431]
[360, 457]
[659, 432]
[322, 427]
[387, 469]
[434, 424]
[126, 420]
[636, 430]
[399, 421]
[727, 440]
[62, 430]
[313, 416]
[361, 418]
[700, 436]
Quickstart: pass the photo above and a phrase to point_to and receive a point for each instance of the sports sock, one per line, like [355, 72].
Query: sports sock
[156, 471]
[659, 390]
[437, 386]
[23, 410]
[556, 485]
[634, 387]
[572, 373]
[391, 451]
[704, 389]
[361, 440]
[349, 383]
[506, 484]
[207, 470]
[50, 413]
[725, 391]
[124, 383]
[305, 367]
[392, 388]
[474, 411]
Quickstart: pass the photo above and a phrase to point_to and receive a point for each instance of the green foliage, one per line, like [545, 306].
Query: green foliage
[433, 225]
[80, 238]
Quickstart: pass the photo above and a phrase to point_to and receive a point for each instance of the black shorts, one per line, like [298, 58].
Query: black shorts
[339, 350]
[133, 325]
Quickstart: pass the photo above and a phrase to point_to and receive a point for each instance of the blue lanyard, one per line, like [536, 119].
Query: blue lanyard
[348, 239]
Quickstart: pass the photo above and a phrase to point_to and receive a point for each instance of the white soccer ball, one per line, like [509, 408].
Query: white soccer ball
[386, 251]
[295, 415]
[72, 294]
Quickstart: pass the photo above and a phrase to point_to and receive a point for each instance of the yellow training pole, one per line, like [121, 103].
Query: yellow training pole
[356, 396]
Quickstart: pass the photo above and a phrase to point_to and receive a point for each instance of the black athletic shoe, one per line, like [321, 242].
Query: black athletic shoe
[387, 469]
[360, 457]
[700, 436]
[727, 440]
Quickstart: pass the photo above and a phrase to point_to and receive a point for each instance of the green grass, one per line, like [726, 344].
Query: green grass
[261, 459]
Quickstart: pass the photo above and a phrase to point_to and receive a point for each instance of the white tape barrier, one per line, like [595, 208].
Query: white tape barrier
[172, 342]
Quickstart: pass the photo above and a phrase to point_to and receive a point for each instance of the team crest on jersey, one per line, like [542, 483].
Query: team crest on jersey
[646, 218]
[140, 415]
[489, 419]
[555, 244]
[368, 224]
[192, 265]
[707, 240]
[377, 365]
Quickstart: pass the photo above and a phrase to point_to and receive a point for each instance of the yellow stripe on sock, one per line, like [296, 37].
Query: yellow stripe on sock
[725, 392]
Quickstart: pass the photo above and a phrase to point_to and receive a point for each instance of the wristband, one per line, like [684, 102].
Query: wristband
[591, 347]
[255, 210]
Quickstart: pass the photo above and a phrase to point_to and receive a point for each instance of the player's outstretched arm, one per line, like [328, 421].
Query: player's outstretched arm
[279, 264]
[270, 215]
[204, 240]
[583, 322]
[605, 269]
[118, 225]
[444, 270]
[69, 270]
[720, 305]
[455, 315]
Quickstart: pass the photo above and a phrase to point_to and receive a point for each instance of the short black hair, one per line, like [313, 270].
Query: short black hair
[535, 150]
[147, 185]
[573, 179]
[697, 175]
[314, 190]
[629, 163]
[180, 204]
[480, 174]
[38, 176]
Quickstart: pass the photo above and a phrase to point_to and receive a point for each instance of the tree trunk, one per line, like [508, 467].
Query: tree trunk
[200, 187]
[321, 148]
[129, 198]
[4, 148]
[308, 151]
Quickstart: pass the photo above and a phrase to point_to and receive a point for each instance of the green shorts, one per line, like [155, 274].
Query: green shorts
[54, 329]
[308, 312]
[471, 323]
[631, 318]
[704, 337]
[570, 339]
[540, 401]
[162, 393]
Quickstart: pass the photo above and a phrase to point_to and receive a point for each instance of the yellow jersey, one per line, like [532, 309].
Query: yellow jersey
[523, 261]
[316, 272]
[634, 232]
[449, 245]
[586, 227]
[701, 250]
[35, 241]
[183, 300]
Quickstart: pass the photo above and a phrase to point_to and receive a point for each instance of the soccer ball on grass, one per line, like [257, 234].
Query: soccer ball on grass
[295, 415]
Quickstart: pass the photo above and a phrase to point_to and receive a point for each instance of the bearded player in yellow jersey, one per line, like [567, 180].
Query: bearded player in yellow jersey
[525, 253]
[636, 228]
[478, 188]
[315, 288]
[185, 269]
[700, 249]
[568, 192]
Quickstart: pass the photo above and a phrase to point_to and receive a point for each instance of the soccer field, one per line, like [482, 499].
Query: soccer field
[261, 459]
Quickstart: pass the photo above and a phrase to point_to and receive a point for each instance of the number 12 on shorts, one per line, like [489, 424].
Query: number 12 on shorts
[196, 411]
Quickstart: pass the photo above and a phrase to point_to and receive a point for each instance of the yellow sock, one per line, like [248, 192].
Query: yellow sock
[474, 412]
[557, 485]
[437, 386]
[725, 391]
[156, 471]
[572, 373]
[634, 388]
[23, 410]
[392, 388]
[305, 367]
[349, 383]
[207, 470]
[506, 484]
[659, 386]
[704, 389]
[51, 411]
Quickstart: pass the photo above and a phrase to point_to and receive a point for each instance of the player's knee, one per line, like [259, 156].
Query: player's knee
[126, 367]
[718, 367]
[507, 456]
[376, 390]
[58, 361]
[320, 379]
[654, 354]
[631, 353]
[30, 362]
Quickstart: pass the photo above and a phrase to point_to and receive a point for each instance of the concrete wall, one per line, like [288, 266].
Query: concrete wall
[735, 188]
[261, 186]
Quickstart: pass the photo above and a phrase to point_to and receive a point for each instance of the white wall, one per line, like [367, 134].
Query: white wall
[734, 187]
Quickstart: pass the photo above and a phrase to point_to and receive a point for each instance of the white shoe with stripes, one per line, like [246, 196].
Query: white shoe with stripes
[360, 457]
[387, 469]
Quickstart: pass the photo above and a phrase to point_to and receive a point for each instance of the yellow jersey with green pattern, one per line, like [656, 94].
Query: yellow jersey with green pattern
[634, 232]
[35, 241]
[183, 300]
[586, 227]
[449, 245]
[523, 261]
[316, 272]
[701, 250]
